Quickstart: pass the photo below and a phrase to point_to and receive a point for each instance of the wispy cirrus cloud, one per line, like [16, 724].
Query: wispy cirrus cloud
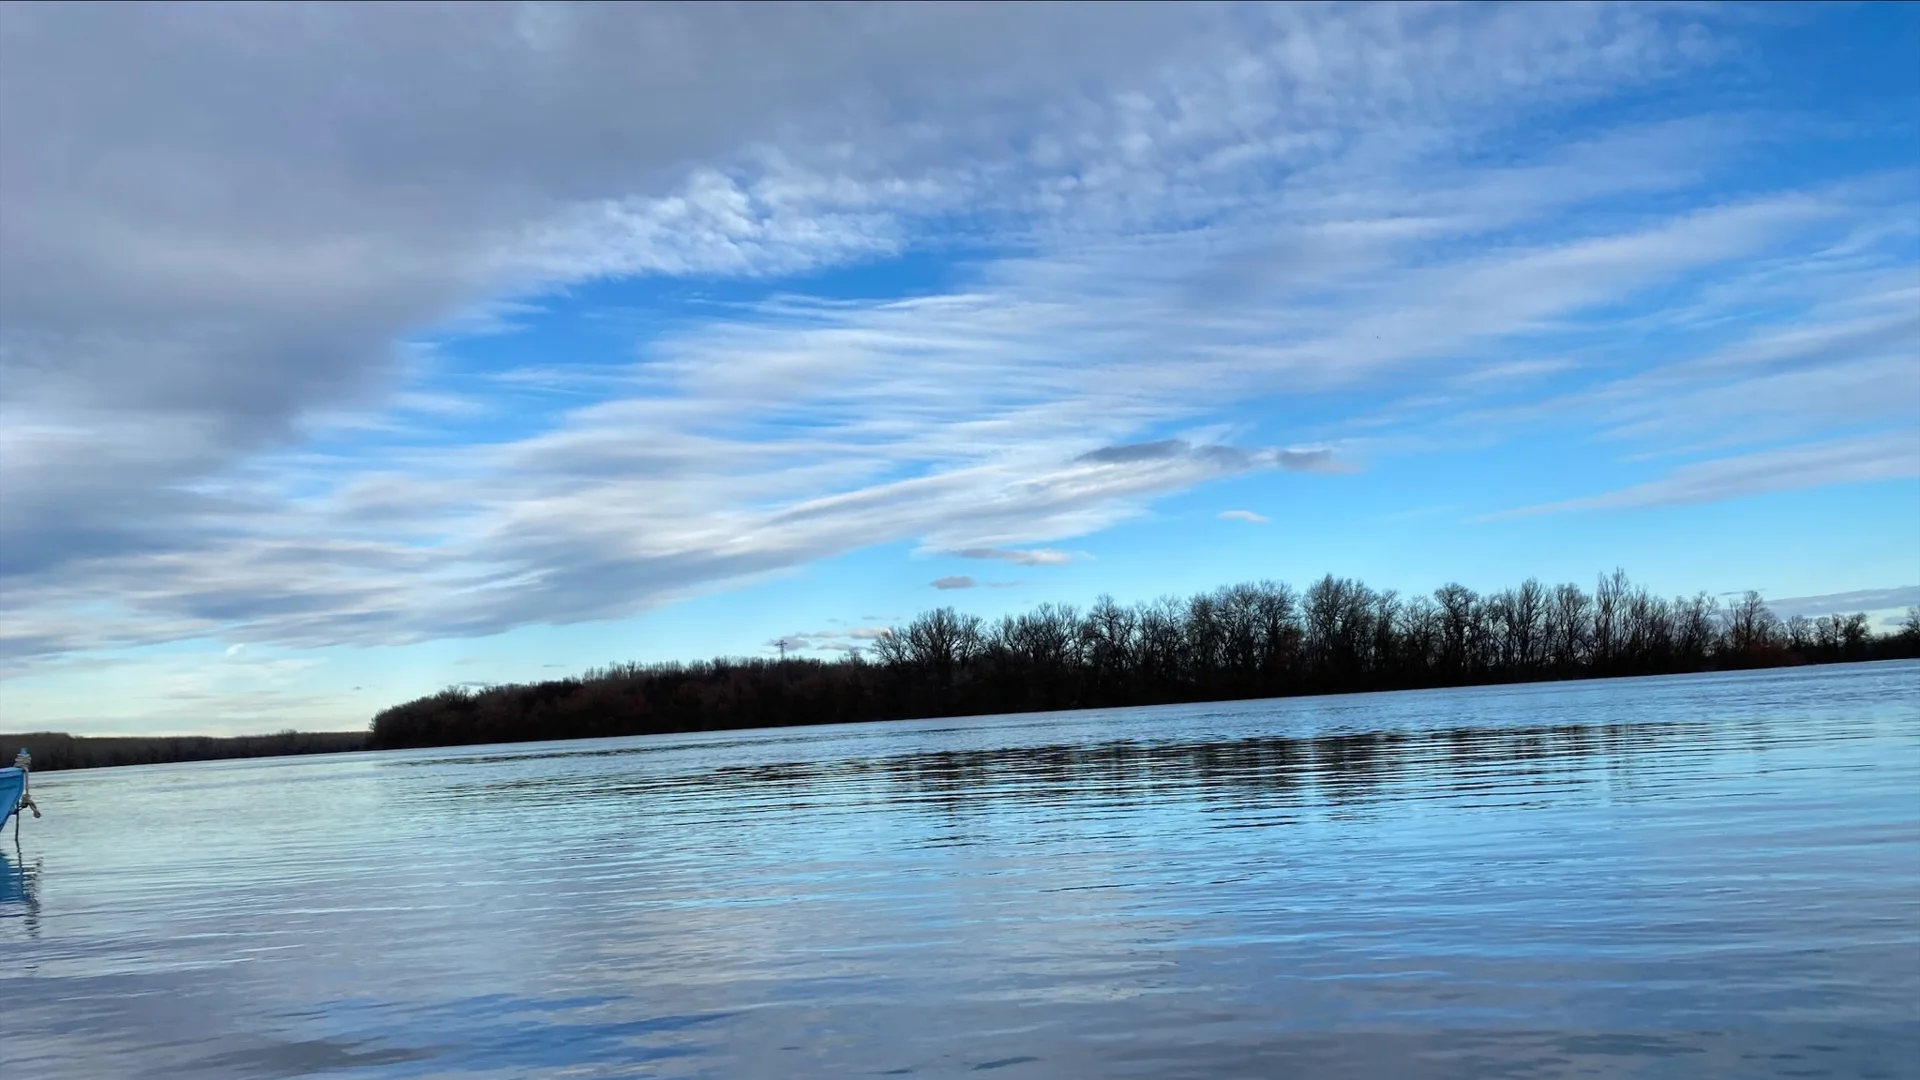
[1868, 600]
[1032, 557]
[1247, 516]
[963, 581]
[1890, 456]
[1175, 230]
[855, 639]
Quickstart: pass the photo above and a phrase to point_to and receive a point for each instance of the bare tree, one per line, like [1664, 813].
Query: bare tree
[1278, 613]
[1458, 619]
[1750, 625]
[1609, 597]
[1163, 643]
[1855, 629]
[1383, 650]
[1420, 637]
[1568, 627]
[1693, 628]
[941, 640]
[1109, 640]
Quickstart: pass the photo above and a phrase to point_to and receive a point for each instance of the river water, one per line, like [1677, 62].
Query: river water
[1713, 875]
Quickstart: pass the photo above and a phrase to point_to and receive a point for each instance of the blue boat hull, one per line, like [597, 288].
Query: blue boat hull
[13, 784]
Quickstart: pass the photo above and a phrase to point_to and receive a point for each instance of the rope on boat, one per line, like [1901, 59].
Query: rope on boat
[24, 762]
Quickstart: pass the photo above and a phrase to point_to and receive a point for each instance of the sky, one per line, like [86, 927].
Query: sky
[350, 352]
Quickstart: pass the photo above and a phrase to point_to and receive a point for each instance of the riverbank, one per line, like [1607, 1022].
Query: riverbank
[1241, 642]
[57, 751]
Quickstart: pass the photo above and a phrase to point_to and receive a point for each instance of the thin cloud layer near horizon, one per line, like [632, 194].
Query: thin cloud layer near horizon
[352, 351]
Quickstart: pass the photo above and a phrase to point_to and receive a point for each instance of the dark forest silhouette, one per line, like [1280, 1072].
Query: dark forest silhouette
[1243, 641]
[55, 750]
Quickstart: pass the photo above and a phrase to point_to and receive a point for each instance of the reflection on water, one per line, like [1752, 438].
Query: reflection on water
[1713, 875]
[19, 883]
[1336, 770]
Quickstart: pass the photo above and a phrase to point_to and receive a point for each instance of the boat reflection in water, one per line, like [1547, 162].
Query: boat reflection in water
[19, 892]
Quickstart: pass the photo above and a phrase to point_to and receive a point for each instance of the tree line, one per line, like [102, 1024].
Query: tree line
[54, 750]
[1262, 639]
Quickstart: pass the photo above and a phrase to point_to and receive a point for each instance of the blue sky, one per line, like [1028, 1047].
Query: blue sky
[355, 351]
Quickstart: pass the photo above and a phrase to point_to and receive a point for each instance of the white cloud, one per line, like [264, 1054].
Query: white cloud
[845, 641]
[1244, 515]
[1869, 600]
[1032, 557]
[183, 322]
[1890, 456]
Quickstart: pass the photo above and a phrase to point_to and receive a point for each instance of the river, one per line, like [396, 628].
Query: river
[1705, 875]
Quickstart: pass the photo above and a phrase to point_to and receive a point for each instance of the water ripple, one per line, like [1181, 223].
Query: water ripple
[1704, 875]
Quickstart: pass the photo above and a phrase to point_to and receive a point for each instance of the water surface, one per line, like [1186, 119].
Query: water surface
[1693, 876]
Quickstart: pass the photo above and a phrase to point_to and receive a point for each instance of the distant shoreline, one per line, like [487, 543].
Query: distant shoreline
[1241, 642]
[59, 752]
[62, 752]
[1245, 642]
